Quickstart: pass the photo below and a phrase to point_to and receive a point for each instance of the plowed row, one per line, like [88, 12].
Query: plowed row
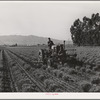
[21, 72]
[45, 79]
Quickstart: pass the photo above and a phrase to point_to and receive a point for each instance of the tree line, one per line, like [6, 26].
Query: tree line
[87, 31]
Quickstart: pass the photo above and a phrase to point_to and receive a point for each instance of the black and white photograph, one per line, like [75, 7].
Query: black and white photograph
[49, 46]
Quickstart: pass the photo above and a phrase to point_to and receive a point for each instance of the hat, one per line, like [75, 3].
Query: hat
[48, 38]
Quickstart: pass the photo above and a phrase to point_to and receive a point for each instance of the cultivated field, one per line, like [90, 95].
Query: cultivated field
[20, 71]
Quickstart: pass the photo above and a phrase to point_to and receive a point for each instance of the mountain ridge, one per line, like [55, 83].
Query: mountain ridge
[27, 40]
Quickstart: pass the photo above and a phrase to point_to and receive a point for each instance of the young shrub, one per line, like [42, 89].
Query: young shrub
[79, 73]
[29, 88]
[59, 90]
[38, 65]
[72, 71]
[27, 67]
[88, 66]
[26, 88]
[66, 65]
[13, 64]
[42, 77]
[1, 76]
[44, 67]
[47, 82]
[95, 89]
[23, 64]
[65, 69]
[59, 66]
[37, 74]
[62, 69]
[88, 70]
[49, 70]
[55, 65]
[32, 70]
[60, 74]
[22, 61]
[85, 86]
[67, 78]
[95, 80]
[77, 68]
[55, 72]
[53, 87]
[98, 74]
[83, 69]
[23, 81]
[96, 68]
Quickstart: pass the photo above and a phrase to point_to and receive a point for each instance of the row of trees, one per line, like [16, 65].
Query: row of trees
[86, 32]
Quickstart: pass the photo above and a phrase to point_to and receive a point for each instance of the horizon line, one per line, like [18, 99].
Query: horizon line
[36, 36]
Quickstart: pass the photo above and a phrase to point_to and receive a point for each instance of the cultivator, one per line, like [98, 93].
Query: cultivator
[57, 55]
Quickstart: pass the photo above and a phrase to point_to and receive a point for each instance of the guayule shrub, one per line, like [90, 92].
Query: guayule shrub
[60, 74]
[55, 65]
[55, 72]
[95, 80]
[95, 89]
[53, 86]
[32, 70]
[44, 67]
[66, 65]
[24, 81]
[88, 66]
[49, 70]
[27, 67]
[27, 88]
[72, 71]
[77, 67]
[96, 68]
[67, 77]
[59, 90]
[42, 77]
[83, 69]
[88, 70]
[13, 63]
[65, 69]
[38, 65]
[47, 82]
[59, 66]
[85, 86]
[62, 69]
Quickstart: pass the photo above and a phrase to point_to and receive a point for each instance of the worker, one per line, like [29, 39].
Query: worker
[50, 43]
[61, 54]
[58, 48]
[64, 44]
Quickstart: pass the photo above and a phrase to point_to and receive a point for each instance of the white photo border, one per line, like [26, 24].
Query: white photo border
[34, 96]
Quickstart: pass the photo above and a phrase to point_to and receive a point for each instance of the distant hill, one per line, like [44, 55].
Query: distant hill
[26, 40]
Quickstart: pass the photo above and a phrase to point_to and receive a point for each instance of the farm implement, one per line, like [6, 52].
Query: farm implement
[57, 55]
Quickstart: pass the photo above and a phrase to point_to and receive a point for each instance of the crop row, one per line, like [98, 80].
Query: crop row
[1, 71]
[22, 80]
[90, 55]
[85, 76]
[69, 82]
[44, 80]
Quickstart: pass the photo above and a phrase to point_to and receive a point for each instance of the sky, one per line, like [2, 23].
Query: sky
[47, 19]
